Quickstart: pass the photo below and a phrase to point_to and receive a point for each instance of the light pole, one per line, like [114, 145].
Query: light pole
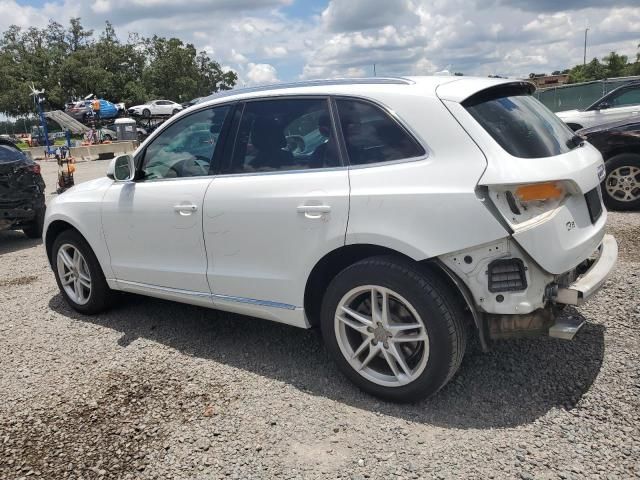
[584, 61]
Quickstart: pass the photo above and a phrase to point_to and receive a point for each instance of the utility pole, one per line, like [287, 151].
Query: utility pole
[584, 61]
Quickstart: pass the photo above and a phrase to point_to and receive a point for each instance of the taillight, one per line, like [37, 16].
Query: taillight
[520, 203]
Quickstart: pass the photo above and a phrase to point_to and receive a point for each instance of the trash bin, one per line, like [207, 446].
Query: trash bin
[126, 129]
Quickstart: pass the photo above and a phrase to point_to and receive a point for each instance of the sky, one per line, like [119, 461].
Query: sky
[267, 41]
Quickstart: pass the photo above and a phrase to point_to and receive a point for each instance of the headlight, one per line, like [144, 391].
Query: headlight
[522, 203]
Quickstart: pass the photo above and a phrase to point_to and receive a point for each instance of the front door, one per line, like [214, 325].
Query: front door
[153, 226]
[279, 206]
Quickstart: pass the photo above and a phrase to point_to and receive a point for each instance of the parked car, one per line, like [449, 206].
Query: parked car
[619, 104]
[22, 189]
[432, 208]
[82, 111]
[109, 132]
[619, 143]
[155, 107]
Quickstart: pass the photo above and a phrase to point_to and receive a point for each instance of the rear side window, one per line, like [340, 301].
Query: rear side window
[371, 136]
[9, 154]
[285, 134]
[521, 125]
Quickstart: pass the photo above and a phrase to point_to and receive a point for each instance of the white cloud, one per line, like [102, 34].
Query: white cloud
[275, 52]
[261, 74]
[262, 43]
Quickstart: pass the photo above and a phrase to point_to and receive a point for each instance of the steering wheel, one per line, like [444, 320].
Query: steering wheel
[296, 144]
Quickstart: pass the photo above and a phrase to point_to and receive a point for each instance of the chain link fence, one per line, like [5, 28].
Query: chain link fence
[579, 95]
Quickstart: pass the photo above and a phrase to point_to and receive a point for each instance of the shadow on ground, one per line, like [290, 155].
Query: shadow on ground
[14, 241]
[514, 384]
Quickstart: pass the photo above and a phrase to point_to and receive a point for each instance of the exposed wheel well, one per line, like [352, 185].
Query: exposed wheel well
[56, 228]
[336, 261]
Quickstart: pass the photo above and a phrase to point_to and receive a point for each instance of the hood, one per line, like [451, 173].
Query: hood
[628, 123]
[91, 185]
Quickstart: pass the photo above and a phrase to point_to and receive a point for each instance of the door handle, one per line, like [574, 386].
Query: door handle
[314, 211]
[185, 209]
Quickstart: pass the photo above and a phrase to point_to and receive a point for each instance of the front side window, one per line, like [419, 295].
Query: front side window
[626, 98]
[284, 134]
[187, 147]
[371, 136]
[520, 124]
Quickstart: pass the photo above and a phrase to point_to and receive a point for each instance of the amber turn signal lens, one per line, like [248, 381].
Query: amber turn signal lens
[539, 191]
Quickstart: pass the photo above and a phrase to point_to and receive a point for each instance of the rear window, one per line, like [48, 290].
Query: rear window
[9, 154]
[521, 125]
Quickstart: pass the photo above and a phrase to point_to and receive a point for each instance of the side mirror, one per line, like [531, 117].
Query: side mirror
[122, 169]
[604, 106]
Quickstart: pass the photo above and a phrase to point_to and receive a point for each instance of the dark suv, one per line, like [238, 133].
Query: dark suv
[22, 204]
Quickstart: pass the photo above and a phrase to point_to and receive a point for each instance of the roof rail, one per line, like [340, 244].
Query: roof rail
[311, 83]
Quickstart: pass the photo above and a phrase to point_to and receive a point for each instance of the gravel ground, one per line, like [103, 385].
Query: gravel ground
[153, 389]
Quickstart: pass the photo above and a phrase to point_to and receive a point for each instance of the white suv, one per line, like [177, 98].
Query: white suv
[397, 215]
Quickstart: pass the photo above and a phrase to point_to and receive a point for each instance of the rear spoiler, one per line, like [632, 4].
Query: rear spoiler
[482, 89]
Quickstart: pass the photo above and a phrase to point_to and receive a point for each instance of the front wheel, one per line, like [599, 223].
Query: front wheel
[79, 275]
[393, 330]
[621, 186]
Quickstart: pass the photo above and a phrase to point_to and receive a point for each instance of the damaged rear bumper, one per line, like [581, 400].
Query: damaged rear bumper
[587, 284]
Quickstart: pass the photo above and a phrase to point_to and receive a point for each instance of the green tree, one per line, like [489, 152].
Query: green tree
[70, 63]
[615, 64]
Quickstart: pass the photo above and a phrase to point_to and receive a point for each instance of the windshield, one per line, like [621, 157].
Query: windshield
[522, 125]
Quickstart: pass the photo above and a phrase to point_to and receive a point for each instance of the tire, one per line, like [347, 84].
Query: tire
[98, 296]
[430, 304]
[34, 230]
[175, 110]
[146, 112]
[621, 186]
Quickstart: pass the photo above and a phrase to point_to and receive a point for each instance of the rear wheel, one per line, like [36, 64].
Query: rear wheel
[393, 330]
[34, 229]
[621, 186]
[79, 275]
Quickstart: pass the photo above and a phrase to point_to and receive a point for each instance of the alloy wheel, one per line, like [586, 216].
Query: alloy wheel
[74, 274]
[623, 183]
[381, 335]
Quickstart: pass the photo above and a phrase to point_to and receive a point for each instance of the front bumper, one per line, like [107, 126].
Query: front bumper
[587, 284]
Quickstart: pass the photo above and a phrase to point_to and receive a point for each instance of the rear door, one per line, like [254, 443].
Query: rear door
[280, 204]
